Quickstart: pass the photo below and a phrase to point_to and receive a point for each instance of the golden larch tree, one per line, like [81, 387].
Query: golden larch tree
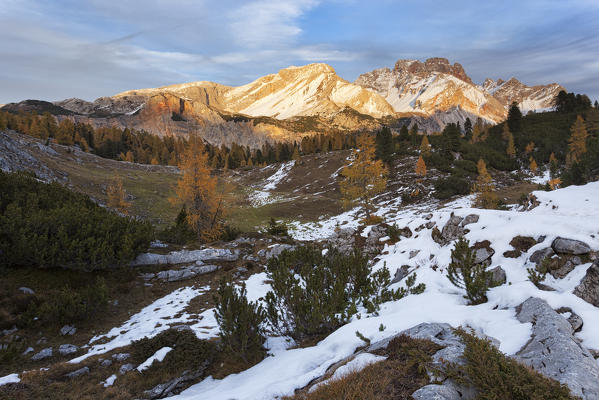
[421, 167]
[485, 188]
[364, 176]
[197, 190]
[117, 197]
[425, 146]
[577, 144]
[511, 147]
[533, 165]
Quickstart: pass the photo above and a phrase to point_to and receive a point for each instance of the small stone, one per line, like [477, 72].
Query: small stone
[498, 276]
[400, 273]
[68, 330]
[414, 253]
[470, 219]
[436, 392]
[28, 350]
[106, 363]
[126, 368]
[429, 225]
[483, 254]
[65, 349]
[26, 290]
[45, 353]
[121, 356]
[428, 216]
[79, 372]
[538, 256]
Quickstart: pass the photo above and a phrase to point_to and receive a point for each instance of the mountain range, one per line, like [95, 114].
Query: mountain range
[309, 99]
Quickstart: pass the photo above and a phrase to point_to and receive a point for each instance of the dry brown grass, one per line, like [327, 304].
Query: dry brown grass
[402, 373]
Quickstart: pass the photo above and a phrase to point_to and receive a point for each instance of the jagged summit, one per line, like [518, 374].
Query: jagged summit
[432, 65]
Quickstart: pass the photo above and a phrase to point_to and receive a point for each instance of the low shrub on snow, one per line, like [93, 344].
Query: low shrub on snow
[465, 274]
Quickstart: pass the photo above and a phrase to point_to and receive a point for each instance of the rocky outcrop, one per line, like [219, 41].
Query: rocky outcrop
[588, 289]
[65, 349]
[570, 246]
[175, 275]
[275, 250]
[553, 350]
[343, 240]
[454, 228]
[42, 355]
[187, 256]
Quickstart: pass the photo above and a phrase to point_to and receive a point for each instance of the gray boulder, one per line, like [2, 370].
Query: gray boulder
[483, 254]
[119, 357]
[588, 289]
[437, 392]
[452, 229]
[65, 349]
[187, 256]
[400, 273]
[45, 353]
[105, 363]
[79, 372]
[470, 219]
[498, 276]
[538, 256]
[565, 268]
[553, 350]
[68, 330]
[275, 250]
[126, 368]
[570, 246]
[343, 240]
[175, 275]
[372, 244]
[175, 385]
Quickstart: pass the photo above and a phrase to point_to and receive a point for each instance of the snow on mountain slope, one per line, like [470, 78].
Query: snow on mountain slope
[308, 90]
[529, 98]
[568, 212]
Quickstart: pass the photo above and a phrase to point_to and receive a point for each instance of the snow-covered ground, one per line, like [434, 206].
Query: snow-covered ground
[262, 195]
[570, 212]
[153, 319]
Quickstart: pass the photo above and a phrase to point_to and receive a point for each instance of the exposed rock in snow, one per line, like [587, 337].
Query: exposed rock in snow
[68, 330]
[555, 352]
[570, 246]
[12, 378]
[588, 289]
[539, 255]
[187, 256]
[126, 368]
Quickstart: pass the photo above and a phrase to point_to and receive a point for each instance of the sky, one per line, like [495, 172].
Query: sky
[57, 49]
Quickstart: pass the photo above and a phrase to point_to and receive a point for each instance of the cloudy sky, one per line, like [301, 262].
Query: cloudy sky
[58, 49]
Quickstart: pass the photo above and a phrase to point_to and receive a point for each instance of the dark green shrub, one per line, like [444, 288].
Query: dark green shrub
[315, 293]
[276, 229]
[465, 274]
[240, 323]
[451, 186]
[180, 233]
[189, 353]
[68, 305]
[498, 377]
[229, 233]
[47, 225]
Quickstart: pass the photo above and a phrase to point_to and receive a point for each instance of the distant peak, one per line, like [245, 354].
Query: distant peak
[432, 65]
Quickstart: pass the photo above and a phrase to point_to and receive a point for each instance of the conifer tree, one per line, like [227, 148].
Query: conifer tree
[465, 274]
[404, 134]
[421, 167]
[363, 177]
[485, 188]
[505, 134]
[117, 196]
[577, 142]
[384, 145]
[296, 155]
[468, 129]
[197, 190]
[511, 147]
[553, 166]
[514, 118]
[425, 146]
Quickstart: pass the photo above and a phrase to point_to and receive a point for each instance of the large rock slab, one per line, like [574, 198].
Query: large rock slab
[570, 246]
[588, 289]
[553, 350]
[437, 392]
[187, 256]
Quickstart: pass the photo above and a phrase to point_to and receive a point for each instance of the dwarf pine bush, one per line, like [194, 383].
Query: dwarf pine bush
[47, 225]
[240, 323]
[465, 274]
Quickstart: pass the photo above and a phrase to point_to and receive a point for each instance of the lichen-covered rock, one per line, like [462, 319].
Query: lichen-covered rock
[498, 276]
[275, 250]
[538, 256]
[452, 229]
[400, 273]
[553, 350]
[470, 219]
[68, 330]
[343, 240]
[570, 246]
[483, 254]
[588, 289]
[77, 373]
[126, 368]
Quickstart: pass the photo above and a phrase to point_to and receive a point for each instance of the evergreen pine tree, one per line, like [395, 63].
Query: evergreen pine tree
[468, 129]
[514, 118]
[465, 274]
[384, 145]
[404, 134]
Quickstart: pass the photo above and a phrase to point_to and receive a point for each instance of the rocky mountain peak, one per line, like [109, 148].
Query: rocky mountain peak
[432, 65]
